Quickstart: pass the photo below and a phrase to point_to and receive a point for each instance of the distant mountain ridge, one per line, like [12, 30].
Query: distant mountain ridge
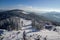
[53, 16]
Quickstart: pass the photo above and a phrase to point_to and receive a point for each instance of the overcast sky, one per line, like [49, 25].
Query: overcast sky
[31, 5]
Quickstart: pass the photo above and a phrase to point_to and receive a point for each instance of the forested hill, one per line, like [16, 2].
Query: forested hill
[4, 15]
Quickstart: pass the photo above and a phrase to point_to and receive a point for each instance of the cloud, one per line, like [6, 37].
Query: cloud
[32, 9]
[36, 9]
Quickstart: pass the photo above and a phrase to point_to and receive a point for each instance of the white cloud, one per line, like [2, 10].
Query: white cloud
[33, 9]
[36, 9]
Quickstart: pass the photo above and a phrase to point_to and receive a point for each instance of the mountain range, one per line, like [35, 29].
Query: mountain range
[53, 17]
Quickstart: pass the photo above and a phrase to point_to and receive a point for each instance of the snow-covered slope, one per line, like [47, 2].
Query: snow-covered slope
[25, 22]
[31, 33]
[51, 35]
[14, 35]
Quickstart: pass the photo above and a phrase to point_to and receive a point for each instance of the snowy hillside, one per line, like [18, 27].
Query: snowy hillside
[31, 33]
[14, 35]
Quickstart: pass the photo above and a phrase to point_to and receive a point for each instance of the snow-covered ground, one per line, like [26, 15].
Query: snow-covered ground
[25, 22]
[14, 35]
[30, 35]
[51, 35]
[58, 29]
